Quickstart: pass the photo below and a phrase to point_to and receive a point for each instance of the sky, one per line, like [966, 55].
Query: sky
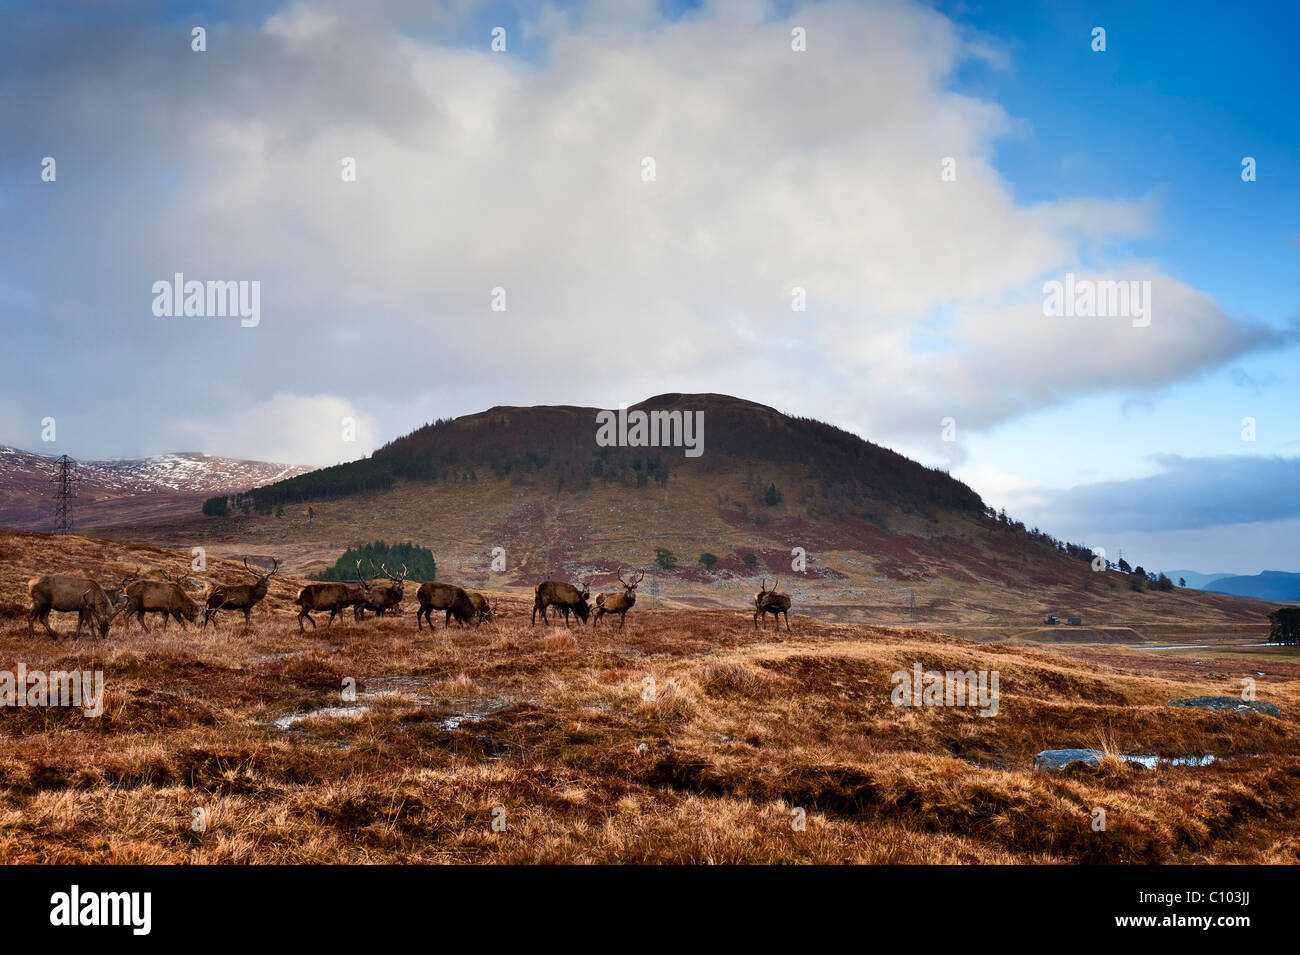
[920, 171]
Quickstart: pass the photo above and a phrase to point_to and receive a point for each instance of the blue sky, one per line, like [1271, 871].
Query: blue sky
[777, 169]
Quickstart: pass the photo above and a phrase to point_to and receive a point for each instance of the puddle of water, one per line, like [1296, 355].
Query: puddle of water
[1151, 762]
[468, 709]
[473, 709]
[1154, 762]
[328, 712]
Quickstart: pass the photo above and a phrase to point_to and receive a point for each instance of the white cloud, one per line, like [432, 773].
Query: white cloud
[285, 428]
[476, 170]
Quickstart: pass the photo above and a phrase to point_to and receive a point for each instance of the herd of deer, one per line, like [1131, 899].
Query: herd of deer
[98, 606]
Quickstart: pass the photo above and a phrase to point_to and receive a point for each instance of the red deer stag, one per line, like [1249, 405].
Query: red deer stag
[616, 602]
[240, 596]
[167, 597]
[566, 597]
[456, 601]
[67, 593]
[384, 595]
[334, 597]
[769, 601]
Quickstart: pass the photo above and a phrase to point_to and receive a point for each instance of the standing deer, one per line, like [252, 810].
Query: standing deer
[769, 601]
[334, 597]
[167, 597]
[67, 593]
[553, 593]
[616, 602]
[384, 595]
[240, 596]
[456, 601]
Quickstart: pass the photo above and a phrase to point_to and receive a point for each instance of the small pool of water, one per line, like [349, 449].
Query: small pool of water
[327, 712]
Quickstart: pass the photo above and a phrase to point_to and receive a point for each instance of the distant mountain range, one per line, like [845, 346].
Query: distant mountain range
[1276, 585]
[1273, 585]
[1195, 579]
[111, 492]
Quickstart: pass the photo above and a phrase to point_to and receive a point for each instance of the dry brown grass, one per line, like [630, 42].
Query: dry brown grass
[556, 728]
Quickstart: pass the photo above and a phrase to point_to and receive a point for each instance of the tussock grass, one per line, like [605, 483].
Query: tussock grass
[745, 731]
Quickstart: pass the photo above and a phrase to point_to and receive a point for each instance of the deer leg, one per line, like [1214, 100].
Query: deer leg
[140, 617]
[623, 622]
[248, 617]
[45, 622]
[787, 621]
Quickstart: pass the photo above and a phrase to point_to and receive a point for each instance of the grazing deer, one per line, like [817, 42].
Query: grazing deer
[481, 607]
[167, 597]
[566, 597]
[384, 595]
[769, 601]
[67, 593]
[616, 602]
[454, 600]
[334, 597]
[240, 596]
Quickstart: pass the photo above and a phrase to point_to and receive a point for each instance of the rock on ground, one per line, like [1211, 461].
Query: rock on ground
[1227, 704]
[1055, 760]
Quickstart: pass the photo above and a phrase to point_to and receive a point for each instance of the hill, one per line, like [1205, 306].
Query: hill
[1275, 585]
[121, 492]
[854, 531]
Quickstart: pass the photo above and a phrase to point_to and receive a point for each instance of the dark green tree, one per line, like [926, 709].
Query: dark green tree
[418, 561]
[216, 507]
[1284, 626]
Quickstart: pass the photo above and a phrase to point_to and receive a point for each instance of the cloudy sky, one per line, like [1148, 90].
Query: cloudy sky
[775, 170]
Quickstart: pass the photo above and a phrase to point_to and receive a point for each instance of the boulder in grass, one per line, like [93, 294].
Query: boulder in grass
[1226, 704]
[1055, 760]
